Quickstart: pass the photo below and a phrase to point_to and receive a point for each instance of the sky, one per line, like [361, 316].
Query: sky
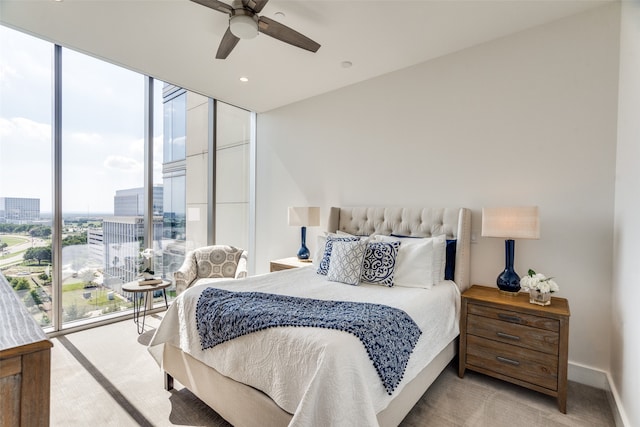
[102, 122]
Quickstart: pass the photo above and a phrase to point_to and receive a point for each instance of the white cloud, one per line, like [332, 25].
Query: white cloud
[123, 164]
[20, 129]
[83, 138]
[7, 72]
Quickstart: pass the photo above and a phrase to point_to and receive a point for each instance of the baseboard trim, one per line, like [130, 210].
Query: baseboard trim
[600, 379]
[619, 414]
[587, 375]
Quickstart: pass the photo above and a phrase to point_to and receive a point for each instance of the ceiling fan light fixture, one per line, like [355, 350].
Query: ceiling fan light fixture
[243, 26]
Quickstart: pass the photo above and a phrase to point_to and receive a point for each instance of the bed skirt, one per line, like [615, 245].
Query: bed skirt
[242, 405]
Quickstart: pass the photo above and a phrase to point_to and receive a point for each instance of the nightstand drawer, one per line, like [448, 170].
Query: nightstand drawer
[525, 365]
[514, 317]
[515, 334]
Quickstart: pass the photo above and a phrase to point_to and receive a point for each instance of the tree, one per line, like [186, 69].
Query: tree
[86, 275]
[78, 239]
[19, 283]
[40, 254]
[40, 231]
[3, 245]
[35, 296]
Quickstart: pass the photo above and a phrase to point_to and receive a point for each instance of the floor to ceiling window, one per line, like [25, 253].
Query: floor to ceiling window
[205, 174]
[102, 184]
[198, 194]
[25, 169]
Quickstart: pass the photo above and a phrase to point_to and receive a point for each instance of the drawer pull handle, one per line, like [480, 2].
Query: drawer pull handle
[508, 336]
[509, 318]
[509, 361]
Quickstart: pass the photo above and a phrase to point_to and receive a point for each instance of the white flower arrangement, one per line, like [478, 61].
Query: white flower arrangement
[538, 282]
[146, 264]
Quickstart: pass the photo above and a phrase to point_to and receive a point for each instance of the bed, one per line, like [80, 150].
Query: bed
[317, 376]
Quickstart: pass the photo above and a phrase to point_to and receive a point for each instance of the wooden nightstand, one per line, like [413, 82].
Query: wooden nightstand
[509, 338]
[287, 263]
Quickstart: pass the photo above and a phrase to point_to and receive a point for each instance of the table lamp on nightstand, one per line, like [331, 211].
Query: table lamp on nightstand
[303, 217]
[510, 223]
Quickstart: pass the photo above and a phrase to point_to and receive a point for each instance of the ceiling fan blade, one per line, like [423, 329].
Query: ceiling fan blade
[255, 5]
[216, 5]
[283, 33]
[228, 42]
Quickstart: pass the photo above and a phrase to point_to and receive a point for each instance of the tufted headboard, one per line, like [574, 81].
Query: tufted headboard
[455, 223]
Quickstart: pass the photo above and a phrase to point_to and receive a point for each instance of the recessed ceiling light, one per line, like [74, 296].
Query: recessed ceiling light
[346, 64]
[244, 79]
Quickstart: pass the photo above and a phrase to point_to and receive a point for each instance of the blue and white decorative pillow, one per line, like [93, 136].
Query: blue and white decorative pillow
[380, 263]
[346, 262]
[323, 266]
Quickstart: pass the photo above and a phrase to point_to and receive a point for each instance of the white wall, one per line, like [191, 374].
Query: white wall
[527, 119]
[232, 175]
[625, 339]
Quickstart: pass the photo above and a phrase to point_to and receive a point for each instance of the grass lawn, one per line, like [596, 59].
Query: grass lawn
[80, 301]
[68, 287]
[12, 240]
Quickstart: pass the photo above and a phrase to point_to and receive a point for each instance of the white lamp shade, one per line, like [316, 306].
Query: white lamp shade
[511, 223]
[304, 216]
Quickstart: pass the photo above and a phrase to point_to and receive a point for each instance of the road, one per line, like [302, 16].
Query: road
[32, 242]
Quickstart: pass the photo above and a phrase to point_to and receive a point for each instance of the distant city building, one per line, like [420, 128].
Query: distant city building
[19, 210]
[122, 239]
[95, 240]
[130, 202]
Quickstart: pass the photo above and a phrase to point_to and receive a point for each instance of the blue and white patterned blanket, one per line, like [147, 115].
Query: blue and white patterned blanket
[388, 334]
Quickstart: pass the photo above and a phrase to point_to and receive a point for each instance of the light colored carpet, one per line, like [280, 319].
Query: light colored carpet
[106, 377]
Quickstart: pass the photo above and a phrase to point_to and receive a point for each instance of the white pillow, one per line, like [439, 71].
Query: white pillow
[439, 257]
[344, 233]
[346, 262]
[415, 262]
[321, 242]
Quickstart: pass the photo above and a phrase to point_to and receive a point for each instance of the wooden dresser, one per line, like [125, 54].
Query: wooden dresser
[509, 338]
[25, 364]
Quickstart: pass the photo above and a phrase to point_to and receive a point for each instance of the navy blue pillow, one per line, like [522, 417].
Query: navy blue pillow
[450, 262]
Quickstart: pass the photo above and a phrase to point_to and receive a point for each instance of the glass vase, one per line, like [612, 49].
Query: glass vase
[540, 298]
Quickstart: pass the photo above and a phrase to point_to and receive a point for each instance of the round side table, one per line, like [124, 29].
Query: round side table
[140, 303]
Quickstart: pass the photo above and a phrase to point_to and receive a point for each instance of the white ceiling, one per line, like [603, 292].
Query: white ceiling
[176, 40]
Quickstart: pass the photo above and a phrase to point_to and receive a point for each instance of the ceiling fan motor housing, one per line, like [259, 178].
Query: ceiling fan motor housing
[243, 24]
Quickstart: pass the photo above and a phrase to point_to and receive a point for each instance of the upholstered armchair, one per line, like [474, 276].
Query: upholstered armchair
[213, 263]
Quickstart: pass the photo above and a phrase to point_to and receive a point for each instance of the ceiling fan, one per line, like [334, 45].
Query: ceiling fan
[244, 23]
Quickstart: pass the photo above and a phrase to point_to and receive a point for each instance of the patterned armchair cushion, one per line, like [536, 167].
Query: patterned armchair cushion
[218, 262]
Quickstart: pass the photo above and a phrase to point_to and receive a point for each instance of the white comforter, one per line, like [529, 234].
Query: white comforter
[322, 376]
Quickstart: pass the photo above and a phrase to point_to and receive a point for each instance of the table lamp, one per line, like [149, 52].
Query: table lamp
[303, 217]
[510, 223]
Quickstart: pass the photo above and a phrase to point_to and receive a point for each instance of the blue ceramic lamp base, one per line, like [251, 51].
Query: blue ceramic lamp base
[508, 281]
[303, 252]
